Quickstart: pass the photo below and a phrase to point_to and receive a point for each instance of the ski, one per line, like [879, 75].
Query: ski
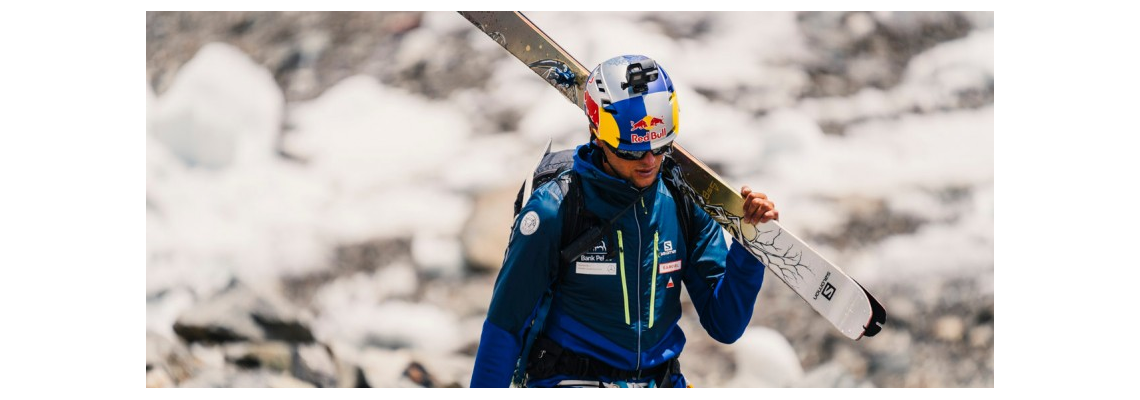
[823, 285]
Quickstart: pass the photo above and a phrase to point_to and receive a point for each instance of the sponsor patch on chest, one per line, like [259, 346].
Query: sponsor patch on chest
[668, 267]
[595, 268]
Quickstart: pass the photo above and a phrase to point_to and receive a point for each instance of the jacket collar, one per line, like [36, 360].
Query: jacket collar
[615, 193]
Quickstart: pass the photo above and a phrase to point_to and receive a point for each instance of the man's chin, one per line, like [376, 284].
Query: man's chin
[644, 183]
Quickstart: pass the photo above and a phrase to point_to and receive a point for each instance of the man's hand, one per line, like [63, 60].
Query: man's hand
[757, 207]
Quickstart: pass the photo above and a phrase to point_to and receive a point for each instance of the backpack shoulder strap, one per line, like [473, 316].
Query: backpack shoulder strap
[572, 210]
[575, 217]
[682, 196]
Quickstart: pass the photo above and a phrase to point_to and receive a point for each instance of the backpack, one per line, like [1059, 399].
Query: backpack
[581, 229]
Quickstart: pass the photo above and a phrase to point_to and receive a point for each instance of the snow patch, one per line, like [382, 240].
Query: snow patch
[221, 109]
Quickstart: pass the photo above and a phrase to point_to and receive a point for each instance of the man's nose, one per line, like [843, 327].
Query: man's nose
[648, 158]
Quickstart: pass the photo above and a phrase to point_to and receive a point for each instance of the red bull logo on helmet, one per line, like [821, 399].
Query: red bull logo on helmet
[648, 124]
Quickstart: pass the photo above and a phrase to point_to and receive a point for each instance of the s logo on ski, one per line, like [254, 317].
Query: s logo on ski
[825, 288]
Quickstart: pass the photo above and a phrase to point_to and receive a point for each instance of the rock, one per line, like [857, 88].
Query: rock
[272, 381]
[168, 360]
[949, 328]
[244, 379]
[222, 110]
[315, 364]
[209, 356]
[438, 256]
[417, 374]
[213, 378]
[241, 314]
[486, 234]
[395, 281]
[854, 362]
[448, 370]
[470, 297]
[393, 324]
[764, 358]
[903, 309]
[982, 336]
[274, 356]
[163, 308]
[158, 378]
[384, 368]
[830, 375]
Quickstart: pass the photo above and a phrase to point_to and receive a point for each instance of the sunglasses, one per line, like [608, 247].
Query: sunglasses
[634, 155]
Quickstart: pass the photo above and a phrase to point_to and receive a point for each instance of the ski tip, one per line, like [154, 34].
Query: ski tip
[878, 315]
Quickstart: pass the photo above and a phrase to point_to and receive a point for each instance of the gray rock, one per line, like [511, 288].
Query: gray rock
[447, 370]
[158, 378]
[949, 328]
[273, 356]
[315, 364]
[831, 375]
[330, 46]
[982, 337]
[856, 50]
[399, 368]
[218, 378]
[438, 256]
[241, 314]
[486, 234]
[168, 360]
[765, 358]
[384, 368]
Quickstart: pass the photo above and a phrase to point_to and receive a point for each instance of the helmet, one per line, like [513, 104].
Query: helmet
[631, 103]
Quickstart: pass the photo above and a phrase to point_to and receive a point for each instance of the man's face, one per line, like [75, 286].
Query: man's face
[641, 173]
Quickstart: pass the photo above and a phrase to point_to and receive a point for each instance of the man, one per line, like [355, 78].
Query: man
[612, 320]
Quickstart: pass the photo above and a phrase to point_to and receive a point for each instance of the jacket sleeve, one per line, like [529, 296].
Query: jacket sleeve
[529, 266]
[723, 282]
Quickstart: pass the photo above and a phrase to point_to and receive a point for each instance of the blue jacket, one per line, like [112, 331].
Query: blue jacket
[621, 310]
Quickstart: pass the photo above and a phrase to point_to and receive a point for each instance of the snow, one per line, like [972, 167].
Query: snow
[389, 282]
[391, 324]
[359, 132]
[210, 119]
[764, 358]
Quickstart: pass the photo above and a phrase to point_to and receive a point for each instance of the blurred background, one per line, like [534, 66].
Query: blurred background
[329, 193]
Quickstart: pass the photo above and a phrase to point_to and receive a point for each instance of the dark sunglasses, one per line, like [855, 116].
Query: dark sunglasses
[634, 155]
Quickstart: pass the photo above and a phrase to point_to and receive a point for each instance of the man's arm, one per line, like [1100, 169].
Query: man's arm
[528, 270]
[723, 283]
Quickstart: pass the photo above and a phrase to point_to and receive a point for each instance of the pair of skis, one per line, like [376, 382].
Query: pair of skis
[833, 294]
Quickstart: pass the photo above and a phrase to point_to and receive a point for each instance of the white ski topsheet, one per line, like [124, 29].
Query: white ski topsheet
[830, 291]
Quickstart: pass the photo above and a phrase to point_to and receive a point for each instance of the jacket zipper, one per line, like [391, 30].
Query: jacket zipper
[624, 291]
[653, 293]
[639, 247]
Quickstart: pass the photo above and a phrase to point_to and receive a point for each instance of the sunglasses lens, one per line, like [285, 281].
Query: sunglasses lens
[630, 155]
[634, 155]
